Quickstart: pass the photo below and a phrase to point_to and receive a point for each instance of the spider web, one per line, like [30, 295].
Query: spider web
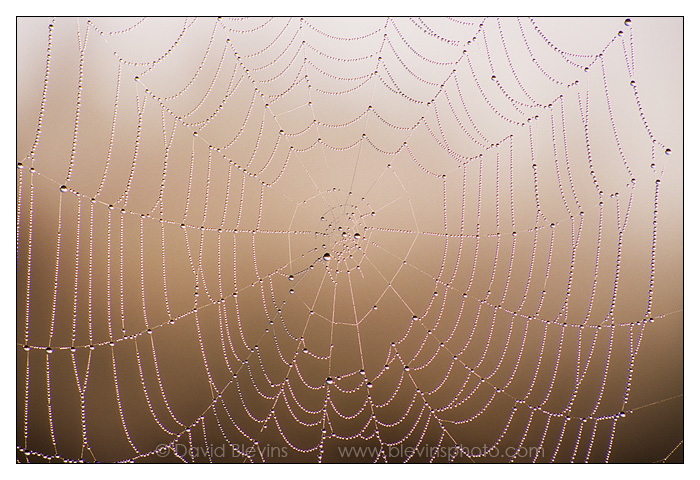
[428, 240]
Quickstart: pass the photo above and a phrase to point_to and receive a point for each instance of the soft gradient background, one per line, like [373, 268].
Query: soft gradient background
[296, 143]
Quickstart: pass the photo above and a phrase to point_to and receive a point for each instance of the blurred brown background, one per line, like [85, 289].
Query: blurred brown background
[495, 178]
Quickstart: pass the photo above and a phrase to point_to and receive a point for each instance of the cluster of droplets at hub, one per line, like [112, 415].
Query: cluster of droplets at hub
[311, 234]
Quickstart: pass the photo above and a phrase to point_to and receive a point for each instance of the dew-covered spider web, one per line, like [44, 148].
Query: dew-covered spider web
[349, 240]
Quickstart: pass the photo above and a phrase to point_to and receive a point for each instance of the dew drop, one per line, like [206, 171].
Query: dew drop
[369, 384]
[27, 348]
[628, 22]
[291, 290]
[329, 381]
[327, 257]
[63, 188]
[291, 277]
[357, 236]
[406, 368]
[667, 151]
